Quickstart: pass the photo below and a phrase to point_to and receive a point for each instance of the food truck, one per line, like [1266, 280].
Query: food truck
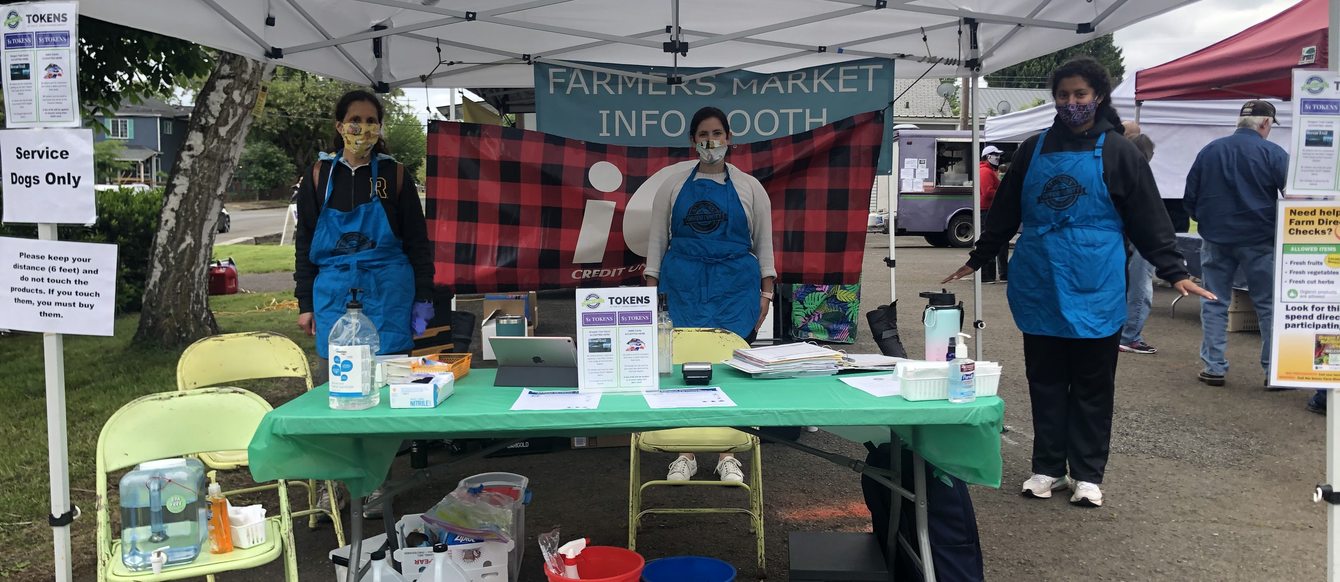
[933, 175]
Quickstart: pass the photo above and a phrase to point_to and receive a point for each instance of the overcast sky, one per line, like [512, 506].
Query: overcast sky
[1191, 28]
[1149, 43]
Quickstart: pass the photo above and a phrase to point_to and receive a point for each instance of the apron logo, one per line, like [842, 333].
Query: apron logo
[353, 242]
[380, 187]
[704, 217]
[1061, 192]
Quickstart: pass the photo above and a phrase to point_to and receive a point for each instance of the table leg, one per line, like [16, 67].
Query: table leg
[923, 523]
[356, 530]
[895, 502]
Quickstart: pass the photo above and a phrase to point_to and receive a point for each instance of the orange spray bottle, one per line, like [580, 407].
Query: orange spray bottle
[220, 537]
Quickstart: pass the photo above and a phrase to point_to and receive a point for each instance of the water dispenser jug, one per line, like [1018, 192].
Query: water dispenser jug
[163, 507]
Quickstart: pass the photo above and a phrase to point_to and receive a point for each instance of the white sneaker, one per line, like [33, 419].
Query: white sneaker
[682, 469]
[1041, 486]
[729, 470]
[1086, 494]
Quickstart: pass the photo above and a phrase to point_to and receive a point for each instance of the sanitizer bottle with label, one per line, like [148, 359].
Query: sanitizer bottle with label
[962, 374]
[352, 346]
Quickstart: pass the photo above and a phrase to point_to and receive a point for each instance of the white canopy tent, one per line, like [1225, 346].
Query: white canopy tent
[390, 44]
[1179, 129]
[491, 44]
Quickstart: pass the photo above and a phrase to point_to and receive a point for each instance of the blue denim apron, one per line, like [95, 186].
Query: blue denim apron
[358, 249]
[1068, 273]
[709, 275]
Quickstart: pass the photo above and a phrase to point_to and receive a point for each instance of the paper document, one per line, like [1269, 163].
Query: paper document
[880, 386]
[707, 397]
[870, 362]
[556, 400]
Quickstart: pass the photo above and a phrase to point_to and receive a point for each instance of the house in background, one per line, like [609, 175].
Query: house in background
[920, 103]
[151, 134]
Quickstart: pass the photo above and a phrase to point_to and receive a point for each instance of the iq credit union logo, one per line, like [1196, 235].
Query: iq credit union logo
[1314, 85]
[12, 20]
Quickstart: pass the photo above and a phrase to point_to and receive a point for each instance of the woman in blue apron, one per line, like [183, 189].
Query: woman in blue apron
[361, 226]
[710, 250]
[1078, 190]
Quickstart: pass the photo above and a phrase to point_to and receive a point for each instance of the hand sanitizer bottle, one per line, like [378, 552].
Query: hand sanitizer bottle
[962, 374]
[665, 337]
[352, 346]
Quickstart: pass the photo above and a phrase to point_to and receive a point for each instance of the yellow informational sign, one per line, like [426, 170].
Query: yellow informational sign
[1306, 326]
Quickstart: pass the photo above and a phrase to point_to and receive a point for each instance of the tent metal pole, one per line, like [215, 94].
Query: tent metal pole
[1138, 106]
[256, 38]
[768, 60]
[986, 17]
[986, 54]
[711, 40]
[407, 28]
[845, 51]
[317, 25]
[58, 456]
[976, 211]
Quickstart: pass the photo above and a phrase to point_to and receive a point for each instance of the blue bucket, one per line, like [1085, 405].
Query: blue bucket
[680, 568]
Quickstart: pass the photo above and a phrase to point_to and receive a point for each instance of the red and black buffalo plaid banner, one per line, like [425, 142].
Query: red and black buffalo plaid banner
[505, 206]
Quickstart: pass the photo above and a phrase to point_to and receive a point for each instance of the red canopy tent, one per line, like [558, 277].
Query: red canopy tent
[1252, 63]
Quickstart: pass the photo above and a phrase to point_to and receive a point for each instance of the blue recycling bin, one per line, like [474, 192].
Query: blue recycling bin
[680, 568]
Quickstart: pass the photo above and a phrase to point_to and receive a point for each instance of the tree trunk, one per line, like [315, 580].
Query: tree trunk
[176, 301]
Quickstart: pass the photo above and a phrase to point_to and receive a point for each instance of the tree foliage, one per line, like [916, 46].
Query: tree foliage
[118, 64]
[298, 119]
[1036, 73]
[263, 167]
[106, 166]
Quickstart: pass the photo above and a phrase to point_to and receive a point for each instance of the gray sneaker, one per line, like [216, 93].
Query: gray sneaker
[323, 501]
[372, 505]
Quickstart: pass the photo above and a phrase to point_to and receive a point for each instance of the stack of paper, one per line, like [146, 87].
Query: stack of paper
[787, 361]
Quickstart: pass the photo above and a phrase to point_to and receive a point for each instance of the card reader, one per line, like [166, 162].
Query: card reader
[697, 372]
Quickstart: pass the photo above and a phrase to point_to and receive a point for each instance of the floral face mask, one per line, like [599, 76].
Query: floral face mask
[360, 137]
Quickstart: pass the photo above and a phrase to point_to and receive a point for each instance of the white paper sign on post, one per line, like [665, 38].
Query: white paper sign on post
[48, 175]
[57, 286]
[616, 339]
[1315, 154]
[41, 79]
[1305, 338]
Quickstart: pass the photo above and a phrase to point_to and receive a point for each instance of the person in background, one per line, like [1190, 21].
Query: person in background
[1079, 190]
[1231, 192]
[988, 172]
[1139, 273]
[361, 225]
[710, 251]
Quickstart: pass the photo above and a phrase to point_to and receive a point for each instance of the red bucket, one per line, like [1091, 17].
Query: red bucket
[604, 564]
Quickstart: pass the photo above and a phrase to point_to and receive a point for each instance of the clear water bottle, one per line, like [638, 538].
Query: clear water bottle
[352, 348]
[665, 337]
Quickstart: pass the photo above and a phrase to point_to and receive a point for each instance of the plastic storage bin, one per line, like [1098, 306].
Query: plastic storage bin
[340, 556]
[930, 380]
[516, 487]
[696, 568]
[604, 564]
[482, 561]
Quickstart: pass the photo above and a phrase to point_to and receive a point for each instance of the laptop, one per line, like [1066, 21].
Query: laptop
[531, 362]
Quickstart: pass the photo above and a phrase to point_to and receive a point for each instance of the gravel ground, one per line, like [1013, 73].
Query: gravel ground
[1203, 483]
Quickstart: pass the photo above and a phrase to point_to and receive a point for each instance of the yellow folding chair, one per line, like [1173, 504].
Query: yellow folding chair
[174, 424]
[698, 345]
[235, 357]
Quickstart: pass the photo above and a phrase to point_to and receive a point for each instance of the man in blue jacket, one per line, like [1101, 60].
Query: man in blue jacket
[1231, 192]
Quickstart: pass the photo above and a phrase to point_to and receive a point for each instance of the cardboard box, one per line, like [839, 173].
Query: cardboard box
[495, 305]
[603, 441]
[426, 395]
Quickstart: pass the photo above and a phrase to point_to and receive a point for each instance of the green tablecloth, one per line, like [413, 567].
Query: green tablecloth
[306, 439]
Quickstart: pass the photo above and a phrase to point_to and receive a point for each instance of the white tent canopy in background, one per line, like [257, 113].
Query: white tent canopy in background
[1179, 129]
[490, 44]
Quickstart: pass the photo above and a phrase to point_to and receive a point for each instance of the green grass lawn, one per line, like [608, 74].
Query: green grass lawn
[257, 258]
[101, 375]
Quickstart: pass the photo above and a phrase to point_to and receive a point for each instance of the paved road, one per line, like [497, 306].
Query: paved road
[249, 224]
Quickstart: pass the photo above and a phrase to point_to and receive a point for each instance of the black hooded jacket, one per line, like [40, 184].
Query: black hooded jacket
[1130, 183]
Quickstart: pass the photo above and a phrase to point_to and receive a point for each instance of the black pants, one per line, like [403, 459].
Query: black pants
[999, 268]
[1071, 383]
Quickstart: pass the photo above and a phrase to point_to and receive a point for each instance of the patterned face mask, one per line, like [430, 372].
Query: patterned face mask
[360, 137]
[711, 151]
[1075, 114]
